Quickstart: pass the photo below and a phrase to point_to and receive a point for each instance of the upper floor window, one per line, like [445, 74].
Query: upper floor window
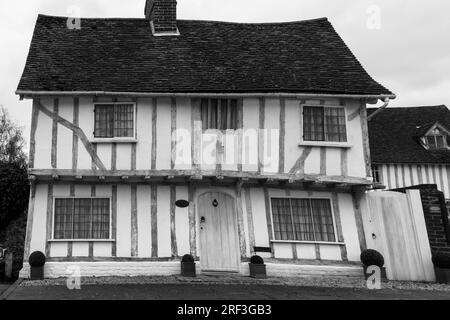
[114, 120]
[303, 220]
[436, 139]
[220, 114]
[324, 124]
[82, 218]
[376, 173]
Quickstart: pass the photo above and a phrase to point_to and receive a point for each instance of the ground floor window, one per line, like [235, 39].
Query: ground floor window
[82, 218]
[303, 220]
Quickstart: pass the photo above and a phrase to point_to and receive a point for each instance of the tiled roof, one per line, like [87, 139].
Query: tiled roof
[394, 135]
[122, 55]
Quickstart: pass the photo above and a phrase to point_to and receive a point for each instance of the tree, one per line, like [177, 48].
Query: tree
[14, 186]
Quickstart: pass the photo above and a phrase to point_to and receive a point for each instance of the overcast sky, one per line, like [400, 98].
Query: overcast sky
[403, 44]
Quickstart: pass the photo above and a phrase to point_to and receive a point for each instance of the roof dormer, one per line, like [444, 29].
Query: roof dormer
[436, 138]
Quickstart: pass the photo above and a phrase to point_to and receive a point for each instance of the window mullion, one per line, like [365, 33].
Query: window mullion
[312, 219]
[292, 220]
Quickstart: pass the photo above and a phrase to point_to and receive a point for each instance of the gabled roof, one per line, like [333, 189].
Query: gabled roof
[394, 135]
[122, 55]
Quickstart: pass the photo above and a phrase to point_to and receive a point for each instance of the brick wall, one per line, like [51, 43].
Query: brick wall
[436, 216]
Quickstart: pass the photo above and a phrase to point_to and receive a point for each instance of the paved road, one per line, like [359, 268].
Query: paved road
[214, 292]
[3, 287]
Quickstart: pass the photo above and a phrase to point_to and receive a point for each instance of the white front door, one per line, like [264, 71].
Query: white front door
[219, 241]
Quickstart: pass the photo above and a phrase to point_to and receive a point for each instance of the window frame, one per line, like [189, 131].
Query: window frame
[330, 199]
[223, 131]
[115, 139]
[81, 240]
[336, 144]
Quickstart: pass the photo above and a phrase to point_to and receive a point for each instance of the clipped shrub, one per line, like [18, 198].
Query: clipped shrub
[372, 258]
[187, 258]
[441, 260]
[37, 259]
[256, 260]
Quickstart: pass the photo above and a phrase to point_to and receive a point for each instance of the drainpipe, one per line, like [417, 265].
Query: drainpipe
[380, 109]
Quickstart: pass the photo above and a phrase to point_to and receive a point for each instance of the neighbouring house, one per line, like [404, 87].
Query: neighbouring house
[410, 149]
[411, 146]
[153, 138]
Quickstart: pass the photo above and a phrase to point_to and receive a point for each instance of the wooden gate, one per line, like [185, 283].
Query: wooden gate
[394, 224]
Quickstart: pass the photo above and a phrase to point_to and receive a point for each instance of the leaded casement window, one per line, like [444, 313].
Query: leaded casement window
[326, 124]
[82, 218]
[308, 220]
[219, 114]
[114, 120]
[436, 139]
[376, 173]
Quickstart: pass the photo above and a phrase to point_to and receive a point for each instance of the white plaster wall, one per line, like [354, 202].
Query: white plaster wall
[349, 229]
[306, 251]
[293, 134]
[123, 221]
[355, 156]
[164, 241]
[144, 134]
[272, 136]
[123, 156]
[38, 234]
[259, 217]
[144, 221]
[183, 160]
[163, 133]
[65, 136]
[250, 146]
[43, 138]
[182, 222]
[86, 123]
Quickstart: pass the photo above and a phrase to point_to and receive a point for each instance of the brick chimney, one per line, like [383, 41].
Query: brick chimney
[162, 15]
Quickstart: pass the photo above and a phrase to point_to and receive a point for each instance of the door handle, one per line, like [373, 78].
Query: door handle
[202, 220]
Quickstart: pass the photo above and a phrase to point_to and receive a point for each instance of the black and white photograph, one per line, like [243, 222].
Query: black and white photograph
[223, 155]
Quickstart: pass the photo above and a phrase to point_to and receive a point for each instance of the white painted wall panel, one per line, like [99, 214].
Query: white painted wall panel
[80, 249]
[123, 156]
[259, 217]
[183, 160]
[163, 132]
[306, 251]
[250, 144]
[65, 136]
[38, 236]
[124, 221]
[164, 242]
[182, 222]
[86, 120]
[144, 134]
[332, 253]
[292, 136]
[104, 152]
[144, 221]
[44, 138]
[58, 249]
[283, 250]
[102, 249]
[272, 136]
[349, 229]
